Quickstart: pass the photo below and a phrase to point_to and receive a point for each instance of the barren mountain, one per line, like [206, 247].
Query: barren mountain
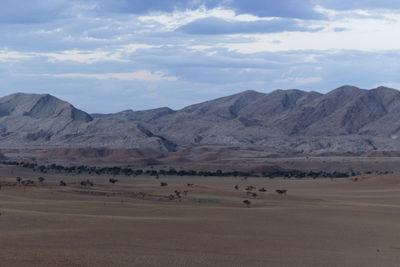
[347, 119]
[43, 120]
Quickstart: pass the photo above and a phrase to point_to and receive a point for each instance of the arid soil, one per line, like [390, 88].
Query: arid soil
[209, 158]
[322, 222]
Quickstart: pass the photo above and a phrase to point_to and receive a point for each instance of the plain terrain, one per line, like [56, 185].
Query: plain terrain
[322, 222]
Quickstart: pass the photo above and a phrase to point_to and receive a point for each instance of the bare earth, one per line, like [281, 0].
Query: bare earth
[323, 222]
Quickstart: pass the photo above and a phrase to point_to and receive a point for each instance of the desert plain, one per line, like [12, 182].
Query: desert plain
[318, 222]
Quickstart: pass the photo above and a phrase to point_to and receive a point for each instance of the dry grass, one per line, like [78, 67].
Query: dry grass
[318, 223]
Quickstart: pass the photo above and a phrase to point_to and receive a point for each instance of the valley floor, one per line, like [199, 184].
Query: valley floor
[322, 222]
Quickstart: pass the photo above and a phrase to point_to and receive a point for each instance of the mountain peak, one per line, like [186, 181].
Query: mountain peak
[385, 89]
[346, 88]
[40, 106]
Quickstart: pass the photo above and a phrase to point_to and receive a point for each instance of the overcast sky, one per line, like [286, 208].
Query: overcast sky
[111, 55]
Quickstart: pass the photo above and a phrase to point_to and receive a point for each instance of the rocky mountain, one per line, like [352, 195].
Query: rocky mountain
[347, 119]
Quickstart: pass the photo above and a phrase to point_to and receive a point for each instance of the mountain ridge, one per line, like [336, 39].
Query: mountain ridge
[345, 119]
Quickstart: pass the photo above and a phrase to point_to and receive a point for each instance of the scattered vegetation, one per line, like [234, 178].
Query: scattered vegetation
[116, 170]
[87, 183]
[27, 182]
[113, 180]
[281, 191]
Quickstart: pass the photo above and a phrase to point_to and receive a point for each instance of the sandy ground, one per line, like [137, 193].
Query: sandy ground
[321, 222]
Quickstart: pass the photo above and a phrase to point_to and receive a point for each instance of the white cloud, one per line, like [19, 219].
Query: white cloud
[13, 56]
[208, 49]
[172, 21]
[86, 57]
[79, 56]
[200, 48]
[363, 33]
[46, 32]
[131, 48]
[142, 75]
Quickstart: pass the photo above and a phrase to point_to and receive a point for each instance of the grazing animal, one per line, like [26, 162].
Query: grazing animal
[163, 184]
[62, 183]
[281, 191]
[190, 185]
[254, 195]
[247, 202]
[185, 192]
[236, 187]
[177, 193]
[250, 187]
[262, 190]
[249, 193]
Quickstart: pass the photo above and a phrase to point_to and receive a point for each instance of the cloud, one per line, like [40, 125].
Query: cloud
[85, 57]
[261, 8]
[214, 25]
[143, 7]
[361, 34]
[186, 51]
[131, 48]
[142, 75]
[14, 56]
[42, 11]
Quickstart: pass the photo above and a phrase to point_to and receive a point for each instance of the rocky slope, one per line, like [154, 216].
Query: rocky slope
[347, 119]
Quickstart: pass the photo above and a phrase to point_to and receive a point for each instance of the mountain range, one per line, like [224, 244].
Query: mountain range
[347, 119]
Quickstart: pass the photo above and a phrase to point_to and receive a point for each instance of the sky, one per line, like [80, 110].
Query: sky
[111, 55]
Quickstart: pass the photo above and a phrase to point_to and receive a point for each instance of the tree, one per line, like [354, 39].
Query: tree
[281, 191]
[113, 180]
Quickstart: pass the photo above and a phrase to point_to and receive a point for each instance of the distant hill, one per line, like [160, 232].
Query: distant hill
[347, 119]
